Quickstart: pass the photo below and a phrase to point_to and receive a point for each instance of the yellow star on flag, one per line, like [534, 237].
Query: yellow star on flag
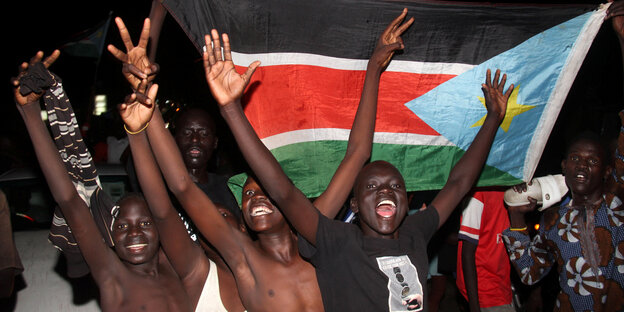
[513, 109]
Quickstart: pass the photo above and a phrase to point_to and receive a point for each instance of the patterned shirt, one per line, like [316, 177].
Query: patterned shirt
[588, 249]
[586, 243]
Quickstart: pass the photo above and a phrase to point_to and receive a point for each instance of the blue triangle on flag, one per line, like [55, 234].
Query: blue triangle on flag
[534, 66]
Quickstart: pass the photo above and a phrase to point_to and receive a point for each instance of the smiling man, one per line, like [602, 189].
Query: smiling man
[584, 237]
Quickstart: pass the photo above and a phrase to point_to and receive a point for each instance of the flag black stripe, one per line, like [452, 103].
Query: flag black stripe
[446, 32]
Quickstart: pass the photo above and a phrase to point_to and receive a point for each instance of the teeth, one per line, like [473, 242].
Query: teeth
[137, 246]
[260, 211]
[386, 202]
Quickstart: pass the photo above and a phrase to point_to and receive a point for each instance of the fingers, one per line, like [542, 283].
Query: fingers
[403, 27]
[123, 32]
[129, 99]
[144, 38]
[36, 58]
[488, 80]
[152, 92]
[130, 68]
[142, 87]
[227, 52]
[509, 91]
[118, 54]
[154, 69]
[393, 25]
[143, 99]
[209, 58]
[216, 45]
[496, 77]
[250, 70]
[51, 58]
[501, 85]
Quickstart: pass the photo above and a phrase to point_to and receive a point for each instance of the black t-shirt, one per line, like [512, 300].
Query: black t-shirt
[358, 273]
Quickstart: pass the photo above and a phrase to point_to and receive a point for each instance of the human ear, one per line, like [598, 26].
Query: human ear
[563, 163]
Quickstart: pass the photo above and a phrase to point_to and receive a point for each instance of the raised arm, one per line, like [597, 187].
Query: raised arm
[467, 169]
[97, 254]
[136, 64]
[227, 87]
[361, 135]
[196, 203]
[185, 256]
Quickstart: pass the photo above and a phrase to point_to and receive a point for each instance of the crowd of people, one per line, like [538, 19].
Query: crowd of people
[183, 242]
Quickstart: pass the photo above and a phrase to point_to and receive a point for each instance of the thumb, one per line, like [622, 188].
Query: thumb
[152, 92]
[250, 70]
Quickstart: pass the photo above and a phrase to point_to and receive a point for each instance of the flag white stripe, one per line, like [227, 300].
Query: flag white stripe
[563, 85]
[271, 59]
[333, 134]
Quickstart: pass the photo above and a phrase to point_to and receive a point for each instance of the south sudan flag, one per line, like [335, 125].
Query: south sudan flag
[303, 98]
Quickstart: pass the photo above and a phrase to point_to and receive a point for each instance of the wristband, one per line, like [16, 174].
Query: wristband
[130, 132]
[518, 229]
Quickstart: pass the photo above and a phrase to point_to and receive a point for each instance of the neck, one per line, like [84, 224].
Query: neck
[149, 268]
[281, 246]
[590, 199]
[198, 175]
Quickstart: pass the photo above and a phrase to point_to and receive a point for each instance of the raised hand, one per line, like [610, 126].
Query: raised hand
[23, 70]
[137, 110]
[495, 99]
[225, 83]
[136, 64]
[390, 40]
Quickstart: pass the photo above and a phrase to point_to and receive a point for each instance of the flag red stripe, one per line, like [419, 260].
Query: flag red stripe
[295, 97]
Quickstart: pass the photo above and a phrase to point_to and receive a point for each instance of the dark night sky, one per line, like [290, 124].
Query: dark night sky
[594, 100]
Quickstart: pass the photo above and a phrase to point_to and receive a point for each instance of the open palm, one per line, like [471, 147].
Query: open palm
[225, 83]
[137, 111]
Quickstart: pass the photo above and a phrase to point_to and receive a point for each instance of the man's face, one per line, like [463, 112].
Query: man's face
[584, 168]
[196, 138]
[134, 233]
[259, 212]
[380, 200]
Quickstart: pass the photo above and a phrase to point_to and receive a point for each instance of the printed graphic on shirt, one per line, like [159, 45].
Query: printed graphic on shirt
[406, 292]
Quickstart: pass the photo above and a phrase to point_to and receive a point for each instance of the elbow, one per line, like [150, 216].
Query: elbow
[180, 185]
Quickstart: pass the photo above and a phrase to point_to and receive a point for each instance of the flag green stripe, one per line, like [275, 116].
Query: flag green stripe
[311, 165]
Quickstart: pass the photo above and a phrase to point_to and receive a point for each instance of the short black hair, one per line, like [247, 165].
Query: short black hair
[590, 136]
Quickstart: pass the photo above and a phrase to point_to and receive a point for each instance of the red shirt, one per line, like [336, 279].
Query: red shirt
[482, 223]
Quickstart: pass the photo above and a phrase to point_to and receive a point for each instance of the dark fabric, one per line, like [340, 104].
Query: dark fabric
[77, 160]
[37, 80]
[354, 271]
[442, 32]
[218, 192]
